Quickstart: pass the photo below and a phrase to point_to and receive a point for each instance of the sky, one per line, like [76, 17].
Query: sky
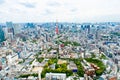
[60, 10]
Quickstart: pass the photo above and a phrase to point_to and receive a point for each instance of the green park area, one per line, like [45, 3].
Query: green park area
[62, 68]
[98, 63]
[66, 43]
[59, 68]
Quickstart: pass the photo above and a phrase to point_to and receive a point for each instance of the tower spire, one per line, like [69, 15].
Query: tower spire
[56, 29]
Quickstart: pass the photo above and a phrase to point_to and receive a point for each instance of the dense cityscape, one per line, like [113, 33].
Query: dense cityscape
[59, 39]
[60, 51]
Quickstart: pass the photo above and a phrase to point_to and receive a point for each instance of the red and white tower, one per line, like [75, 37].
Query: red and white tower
[56, 28]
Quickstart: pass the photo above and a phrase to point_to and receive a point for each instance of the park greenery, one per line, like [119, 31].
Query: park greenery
[49, 49]
[31, 61]
[59, 68]
[66, 43]
[103, 56]
[37, 57]
[93, 55]
[62, 68]
[80, 71]
[27, 75]
[98, 63]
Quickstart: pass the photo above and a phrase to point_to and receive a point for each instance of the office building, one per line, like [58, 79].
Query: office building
[17, 28]
[10, 27]
[5, 29]
[2, 36]
[29, 25]
[9, 24]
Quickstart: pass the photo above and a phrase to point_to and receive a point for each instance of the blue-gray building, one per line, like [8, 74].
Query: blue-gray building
[2, 36]
[10, 26]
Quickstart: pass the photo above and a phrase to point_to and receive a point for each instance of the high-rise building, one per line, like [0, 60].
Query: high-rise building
[29, 25]
[5, 29]
[11, 30]
[10, 27]
[10, 36]
[88, 27]
[9, 24]
[46, 36]
[17, 28]
[2, 36]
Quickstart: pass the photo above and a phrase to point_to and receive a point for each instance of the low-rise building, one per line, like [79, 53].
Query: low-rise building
[55, 76]
[72, 66]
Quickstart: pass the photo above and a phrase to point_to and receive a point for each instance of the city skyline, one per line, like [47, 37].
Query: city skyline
[62, 10]
[60, 51]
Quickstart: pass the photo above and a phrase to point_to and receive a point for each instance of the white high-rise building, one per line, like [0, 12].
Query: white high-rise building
[5, 29]
[17, 28]
[10, 36]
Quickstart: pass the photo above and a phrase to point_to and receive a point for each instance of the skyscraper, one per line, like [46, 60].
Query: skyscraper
[2, 36]
[88, 27]
[10, 27]
[5, 29]
[17, 28]
[9, 24]
[47, 38]
[30, 25]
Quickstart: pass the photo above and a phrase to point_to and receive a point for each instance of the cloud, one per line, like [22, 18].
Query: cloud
[28, 5]
[48, 12]
[53, 4]
[73, 9]
[2, 1]
[63, 10]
